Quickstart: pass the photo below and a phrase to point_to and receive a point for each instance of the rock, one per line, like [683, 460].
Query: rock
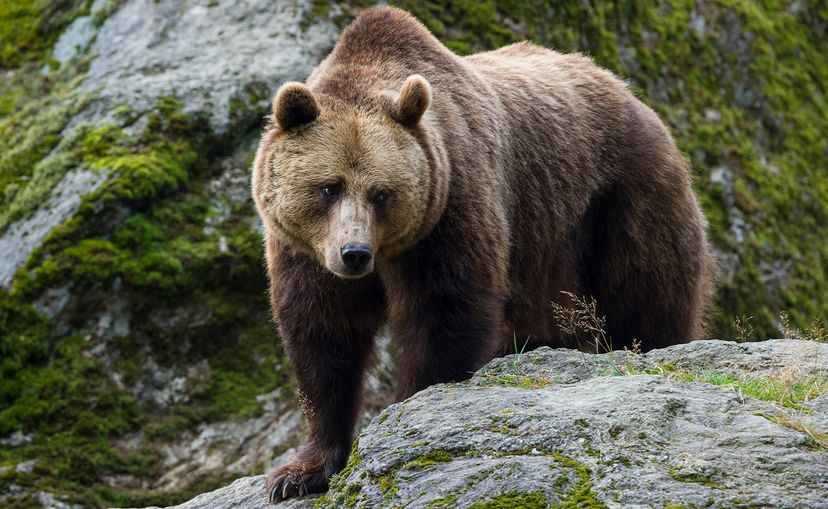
[27, 467]
[48, 501]
[230, 447]
[205, 54]
[74, 40]
[16, 439]
[244, 493]
[24, 236]
[615, 430]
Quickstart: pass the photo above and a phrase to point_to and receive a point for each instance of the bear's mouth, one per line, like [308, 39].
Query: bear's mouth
[350, 276]
[346, 274]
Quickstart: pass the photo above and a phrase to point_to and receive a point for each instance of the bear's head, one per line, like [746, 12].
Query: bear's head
[348, 185]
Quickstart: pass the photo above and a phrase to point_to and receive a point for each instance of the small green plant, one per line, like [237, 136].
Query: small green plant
[515, 376]
[786, 388]
[519, 354]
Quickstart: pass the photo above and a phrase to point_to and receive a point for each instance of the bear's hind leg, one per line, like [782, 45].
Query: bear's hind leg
[648, 266]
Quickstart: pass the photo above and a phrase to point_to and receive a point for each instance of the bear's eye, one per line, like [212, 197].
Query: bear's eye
[380, 197]
[331, 190]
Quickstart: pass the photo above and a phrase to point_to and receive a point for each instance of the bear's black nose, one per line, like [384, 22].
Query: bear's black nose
[356, 257]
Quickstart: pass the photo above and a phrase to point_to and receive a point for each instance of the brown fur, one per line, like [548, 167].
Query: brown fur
[483, 186]
[294, 105]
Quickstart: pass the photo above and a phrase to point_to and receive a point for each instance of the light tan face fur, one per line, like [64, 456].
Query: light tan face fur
[367, 158]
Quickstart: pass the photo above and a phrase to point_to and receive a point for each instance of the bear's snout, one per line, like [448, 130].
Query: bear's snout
[356, 257]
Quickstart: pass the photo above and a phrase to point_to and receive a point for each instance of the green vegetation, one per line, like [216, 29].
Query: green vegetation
[573, 482]
[428, 459]
[788, 389]
[191, 297]
[447, 502]
[513, 376]
[29, 29]
[516, 380]
[29, 133]
[693, 477]
[817, 438]
[580, 494]
[514, 500]
[140, 237]
[342, 493]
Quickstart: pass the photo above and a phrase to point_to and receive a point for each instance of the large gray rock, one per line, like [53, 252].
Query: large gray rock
[247, 492]
[205, 54]
[621, 430]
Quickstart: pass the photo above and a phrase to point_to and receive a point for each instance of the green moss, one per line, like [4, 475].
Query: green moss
[29, 29]
[574, 481]
[388, 488]
[140, 237]
[580, 493]
[342, 493]
[107, 10]
[514, 380]
[447, 502]
[74, 410]
[354, 460]
[496, 423]
[33, 156]
[429, 459]
[514, 500]
[168, 427]
[346, 496]
[693, 477]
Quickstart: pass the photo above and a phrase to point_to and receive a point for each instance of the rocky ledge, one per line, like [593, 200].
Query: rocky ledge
[707, 424]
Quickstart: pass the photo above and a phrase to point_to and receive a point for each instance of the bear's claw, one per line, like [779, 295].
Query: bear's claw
[291, 481]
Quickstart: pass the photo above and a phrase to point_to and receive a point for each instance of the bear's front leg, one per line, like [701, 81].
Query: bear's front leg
[445, 339]
[446, 316]
[328, 371]
[327, 326]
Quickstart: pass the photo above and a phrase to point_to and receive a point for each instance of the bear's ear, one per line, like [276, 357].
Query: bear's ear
[294, 105]
[413, 101]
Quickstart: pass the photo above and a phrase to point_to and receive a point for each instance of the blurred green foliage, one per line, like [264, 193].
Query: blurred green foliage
[29, 29]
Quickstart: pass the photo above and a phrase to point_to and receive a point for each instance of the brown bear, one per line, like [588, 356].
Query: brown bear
[453, 200]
